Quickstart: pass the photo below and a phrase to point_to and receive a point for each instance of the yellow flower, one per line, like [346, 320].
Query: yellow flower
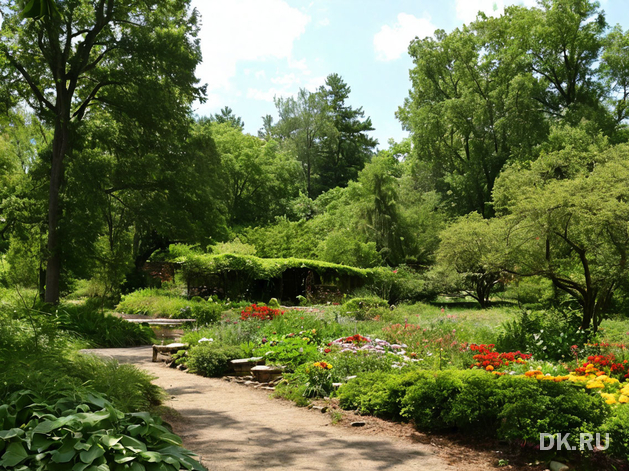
[595, 385]
[623, 399]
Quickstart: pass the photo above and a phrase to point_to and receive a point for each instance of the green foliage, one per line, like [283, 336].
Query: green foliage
[289, 352]
[469, 257]
[71, 431]
[616, 426]
[364, 308]
[292, 389]
[317, 379]
[212, 360]
[351, 364]
[534, 293]
[196, 264]
[327, 136]
[127, 387]
[259, 179]
[514, 408]
[552, 211]
[130, 71]
[102, 329]
[170, 304]
[234, 247]
[548, 335]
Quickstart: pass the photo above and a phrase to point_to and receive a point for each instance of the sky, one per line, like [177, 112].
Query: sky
[254, 50]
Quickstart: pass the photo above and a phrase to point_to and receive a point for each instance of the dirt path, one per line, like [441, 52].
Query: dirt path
[233, 427]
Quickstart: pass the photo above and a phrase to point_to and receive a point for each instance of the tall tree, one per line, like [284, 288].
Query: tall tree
[304, 124]
[136, 58]
[469, 114]
[486, 95]
[259, 179]
[227, 116]
[568, 220]
[346, 152]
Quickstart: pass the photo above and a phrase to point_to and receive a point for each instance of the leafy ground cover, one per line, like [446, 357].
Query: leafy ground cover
[61, 410]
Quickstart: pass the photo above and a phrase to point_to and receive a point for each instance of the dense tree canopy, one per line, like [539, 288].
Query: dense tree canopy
[515, 167]
[485, 95]
[136, 60]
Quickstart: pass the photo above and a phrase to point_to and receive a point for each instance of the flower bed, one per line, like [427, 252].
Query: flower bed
[263, 313]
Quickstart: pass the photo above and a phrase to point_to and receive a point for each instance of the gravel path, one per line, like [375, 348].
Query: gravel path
[233, 427]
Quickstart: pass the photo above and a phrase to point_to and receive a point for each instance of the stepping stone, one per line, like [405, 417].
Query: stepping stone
[170, 348]
[242, 366]
[265, 374]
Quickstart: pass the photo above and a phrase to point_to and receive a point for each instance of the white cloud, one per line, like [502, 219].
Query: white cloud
[299, 65]
[268, 95]
[287, 87]
[245, 30]
[286, 80]
[260, 74]
[466, 10]
[392, 41]
[314, 83]
[324, 22]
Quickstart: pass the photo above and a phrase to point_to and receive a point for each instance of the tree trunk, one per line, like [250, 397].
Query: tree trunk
[53, 267]
[589, 308]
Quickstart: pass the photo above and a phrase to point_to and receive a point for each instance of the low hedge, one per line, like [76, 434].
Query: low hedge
[211, 359]
[506, 407]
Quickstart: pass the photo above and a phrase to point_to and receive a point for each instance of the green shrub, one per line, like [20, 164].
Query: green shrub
[171, 304]
[548, 335]
[212, 359]
[616, 426]
[79, 431]
[363, 308]
[428, 401]
[508, 407]
[289, 352]
[100, 329]
[127, 387]
[378, 393]
[293, 390]
[205, 312]
[533, 407]
[352, 364]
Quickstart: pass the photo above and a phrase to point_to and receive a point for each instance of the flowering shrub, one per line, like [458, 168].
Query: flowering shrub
[357, 342]
[612, 391]
[319, 379]
[264, 313]
[357, 339]
[490, 360]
